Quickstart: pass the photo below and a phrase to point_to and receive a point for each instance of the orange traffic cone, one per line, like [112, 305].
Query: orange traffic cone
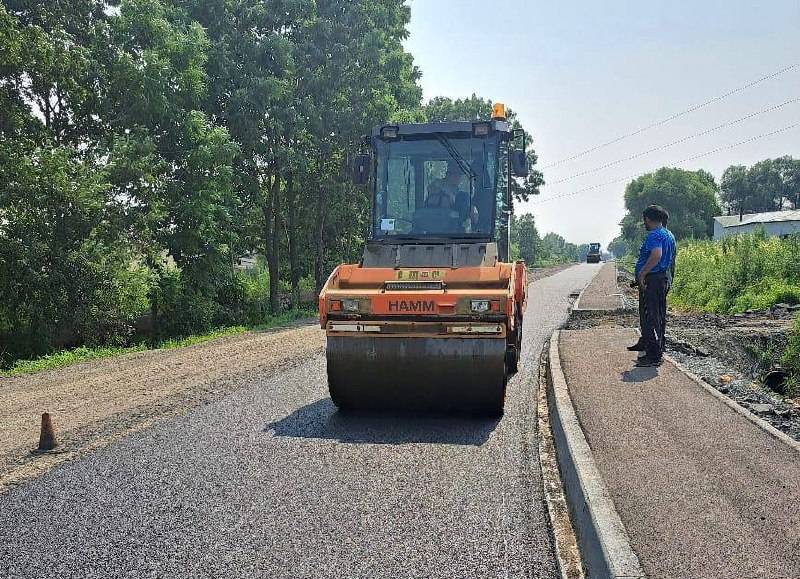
[47, 437]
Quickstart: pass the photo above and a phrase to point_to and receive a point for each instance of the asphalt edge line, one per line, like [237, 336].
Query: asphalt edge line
[735, 406]
[603, 541]
[580, 295]
[568, 553]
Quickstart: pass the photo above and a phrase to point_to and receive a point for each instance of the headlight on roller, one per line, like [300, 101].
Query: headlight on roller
[350, 305]
[479, 306]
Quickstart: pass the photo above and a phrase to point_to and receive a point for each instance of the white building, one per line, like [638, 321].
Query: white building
[775, 223]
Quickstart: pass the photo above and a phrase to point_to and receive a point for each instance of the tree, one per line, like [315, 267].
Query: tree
[736, 190]
[66, 274]
[353, 73]
[474, 108]
[556, 249]
[251, 70]
[191, 206]
[690, 198]
[789, 171]
[618, 247]
[525, 240]
[769, 185]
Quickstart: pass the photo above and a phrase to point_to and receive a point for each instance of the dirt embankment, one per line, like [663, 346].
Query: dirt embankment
[96, 402]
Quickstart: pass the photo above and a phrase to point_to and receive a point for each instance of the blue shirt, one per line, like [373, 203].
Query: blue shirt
[659, 237]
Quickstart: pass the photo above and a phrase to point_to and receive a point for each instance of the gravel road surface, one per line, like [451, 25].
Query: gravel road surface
[271, 481]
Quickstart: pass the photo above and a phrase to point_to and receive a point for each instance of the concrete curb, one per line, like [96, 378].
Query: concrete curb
[580, 296]
[604, 543]
[735, 406]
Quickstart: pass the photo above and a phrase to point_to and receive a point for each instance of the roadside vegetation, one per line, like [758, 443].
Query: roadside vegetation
[736, 274]
[149, 146]
[537, 251]
[69, 357]
[739, 274]
[791, 358]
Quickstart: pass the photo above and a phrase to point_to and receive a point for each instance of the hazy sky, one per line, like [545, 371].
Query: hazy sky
[582, 73]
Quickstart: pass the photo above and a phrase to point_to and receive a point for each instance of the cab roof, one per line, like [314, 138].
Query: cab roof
[417, 129]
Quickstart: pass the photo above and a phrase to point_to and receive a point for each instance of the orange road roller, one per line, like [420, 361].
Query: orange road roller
[431, 318]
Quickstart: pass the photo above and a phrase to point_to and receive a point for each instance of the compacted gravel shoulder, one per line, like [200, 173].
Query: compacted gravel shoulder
[95, 402]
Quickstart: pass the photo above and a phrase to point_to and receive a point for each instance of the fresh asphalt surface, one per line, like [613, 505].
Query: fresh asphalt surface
[273, 482]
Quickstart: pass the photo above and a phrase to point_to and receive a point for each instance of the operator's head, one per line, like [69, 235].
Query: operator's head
[453, 175]
[655, 216]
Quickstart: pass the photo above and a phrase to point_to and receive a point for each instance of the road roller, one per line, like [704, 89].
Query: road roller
[594, 255]
[431, 316]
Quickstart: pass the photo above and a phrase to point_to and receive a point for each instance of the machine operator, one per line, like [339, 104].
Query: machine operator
[445, 194]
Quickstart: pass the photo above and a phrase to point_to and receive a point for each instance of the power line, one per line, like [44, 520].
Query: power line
[692, 158]
[675, 116]
[678, 142]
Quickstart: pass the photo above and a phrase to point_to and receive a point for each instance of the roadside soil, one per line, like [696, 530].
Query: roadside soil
[732, 353]
[96, 402]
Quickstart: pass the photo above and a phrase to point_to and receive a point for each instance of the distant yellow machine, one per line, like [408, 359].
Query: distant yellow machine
[432, 315]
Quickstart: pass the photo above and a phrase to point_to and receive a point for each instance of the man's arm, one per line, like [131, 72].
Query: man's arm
[652, 261]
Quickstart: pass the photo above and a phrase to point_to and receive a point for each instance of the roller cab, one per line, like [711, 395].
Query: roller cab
[431, 317]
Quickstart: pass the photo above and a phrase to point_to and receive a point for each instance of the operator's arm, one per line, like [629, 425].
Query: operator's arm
[652, 261]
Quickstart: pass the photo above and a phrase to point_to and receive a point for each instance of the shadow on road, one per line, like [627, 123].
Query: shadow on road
[321, 419]
[640, 374]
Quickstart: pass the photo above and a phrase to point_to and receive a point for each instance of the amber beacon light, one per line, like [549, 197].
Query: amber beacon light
[499, 112]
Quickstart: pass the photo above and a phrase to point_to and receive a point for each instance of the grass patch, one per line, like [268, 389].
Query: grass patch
[285, 318]
[73, 356]
[740, 273]
[735, 274]
[68, 358]
[791, 359]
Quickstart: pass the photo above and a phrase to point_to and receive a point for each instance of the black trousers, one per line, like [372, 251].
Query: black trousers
[653, 313]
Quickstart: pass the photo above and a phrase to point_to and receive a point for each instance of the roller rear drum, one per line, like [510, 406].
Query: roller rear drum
[465, 374]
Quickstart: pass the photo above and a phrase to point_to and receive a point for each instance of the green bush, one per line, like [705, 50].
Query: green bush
[241, 298]
[255, 297]
[791, 356]
[737, 273]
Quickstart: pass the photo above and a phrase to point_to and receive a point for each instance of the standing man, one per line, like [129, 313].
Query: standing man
[654, 271]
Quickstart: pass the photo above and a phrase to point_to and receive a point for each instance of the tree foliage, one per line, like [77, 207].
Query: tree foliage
[690, 197]
[474, 108]
[147, 145]
[769, 185]
[618, 247]
[537, 251]
[525, 241]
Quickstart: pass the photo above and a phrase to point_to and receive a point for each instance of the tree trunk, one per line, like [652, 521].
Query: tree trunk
[273, 259]
[319, 258]
[266, 211]
[294, 267]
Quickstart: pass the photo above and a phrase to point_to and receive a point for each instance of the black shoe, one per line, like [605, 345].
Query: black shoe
[647, 362]
[637, 347]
